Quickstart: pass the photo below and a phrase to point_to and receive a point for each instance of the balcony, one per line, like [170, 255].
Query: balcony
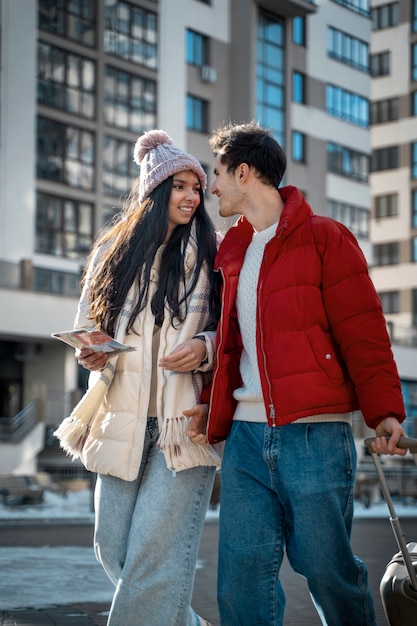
[24, 275]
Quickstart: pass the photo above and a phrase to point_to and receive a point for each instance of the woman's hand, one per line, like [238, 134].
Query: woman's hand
[388, 433]
[91, 360]
[197, 427]
[186, 357]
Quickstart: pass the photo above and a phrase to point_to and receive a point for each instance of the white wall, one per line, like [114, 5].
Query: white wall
[175, 17]
[17, 127]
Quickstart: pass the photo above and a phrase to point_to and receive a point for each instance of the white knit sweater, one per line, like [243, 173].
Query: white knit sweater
[251, 406]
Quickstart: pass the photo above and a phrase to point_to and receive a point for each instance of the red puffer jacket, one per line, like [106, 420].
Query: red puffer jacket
[322, 341]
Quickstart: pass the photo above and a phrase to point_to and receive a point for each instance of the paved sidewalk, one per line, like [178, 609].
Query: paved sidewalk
[372, 540]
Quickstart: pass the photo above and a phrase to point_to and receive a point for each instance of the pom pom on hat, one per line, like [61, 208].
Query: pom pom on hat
[159, 159]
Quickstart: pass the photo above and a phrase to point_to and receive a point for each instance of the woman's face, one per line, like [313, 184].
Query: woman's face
[184, 199]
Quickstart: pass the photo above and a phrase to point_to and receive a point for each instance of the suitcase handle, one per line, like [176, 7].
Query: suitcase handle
[411, 444]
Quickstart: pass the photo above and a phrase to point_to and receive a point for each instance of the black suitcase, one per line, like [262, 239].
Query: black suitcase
[398, 585]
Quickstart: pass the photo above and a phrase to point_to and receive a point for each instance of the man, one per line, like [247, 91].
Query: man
[302, 342]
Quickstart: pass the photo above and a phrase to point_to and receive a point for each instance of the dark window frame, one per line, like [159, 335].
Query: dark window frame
[72, 20]
[64, 226]
[197, 48]
[65, 154]
[131, 33]
[197, 114]
[130, 100]
[63, 81]
[386, 253]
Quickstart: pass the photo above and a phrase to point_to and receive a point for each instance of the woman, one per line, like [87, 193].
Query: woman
[149, 283]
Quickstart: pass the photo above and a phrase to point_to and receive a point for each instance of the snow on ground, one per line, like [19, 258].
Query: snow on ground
[46, 576]
[75, 505]
[78, 505]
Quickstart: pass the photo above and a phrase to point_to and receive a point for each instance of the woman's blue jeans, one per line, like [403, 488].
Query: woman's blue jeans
[147, 536]
[291, 488]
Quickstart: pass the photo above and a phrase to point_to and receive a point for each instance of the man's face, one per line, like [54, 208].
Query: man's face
[224, 186]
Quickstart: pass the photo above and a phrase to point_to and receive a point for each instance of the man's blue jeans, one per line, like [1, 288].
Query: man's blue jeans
[291, 488]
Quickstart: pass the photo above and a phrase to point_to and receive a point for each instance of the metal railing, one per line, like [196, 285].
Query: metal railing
[14, 429]
[24, 275]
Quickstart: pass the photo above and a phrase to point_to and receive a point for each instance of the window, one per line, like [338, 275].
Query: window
[119, 168]
[409, 390]
[197, 114]
[414, 62]
[65, 154]
[63, 227]
[415, 307]
[347, 162]
[55, 281]
[414, 159]
[299, 31]
[386, 253]
[66, 81]
[414, 208]
[298, 147]
[359, 6]
[353, 217]
[270, 74]
[385, 16]
[384, 111]
[380, 64]
[74, 19]
[384, 159]
[390, 301]
[197, 49]
[347, 49]
[299, 87]
[386, 206]
[130, 101]
[414, 103]
[414, 249]
[131, 33]
[414, 21]
[347, 106]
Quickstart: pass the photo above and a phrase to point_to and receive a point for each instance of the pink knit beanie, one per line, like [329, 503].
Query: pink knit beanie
[159, 159]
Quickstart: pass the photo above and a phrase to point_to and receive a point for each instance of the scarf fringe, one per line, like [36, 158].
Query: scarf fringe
[180, 452]
[72, 435]
[74, 430]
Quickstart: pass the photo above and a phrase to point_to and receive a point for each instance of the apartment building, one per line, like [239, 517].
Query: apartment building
[80, 80]
[394, 180]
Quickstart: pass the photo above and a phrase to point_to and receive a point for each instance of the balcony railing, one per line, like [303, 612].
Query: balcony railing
[24, 275]
[14, 429]
[402, 335]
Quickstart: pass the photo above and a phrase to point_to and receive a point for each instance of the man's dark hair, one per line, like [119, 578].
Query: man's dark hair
[252, 144]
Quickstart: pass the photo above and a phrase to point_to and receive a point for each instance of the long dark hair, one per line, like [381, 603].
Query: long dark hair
[125, 253]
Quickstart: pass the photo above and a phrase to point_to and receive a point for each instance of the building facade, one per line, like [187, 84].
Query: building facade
[79, 81]
[394, 180]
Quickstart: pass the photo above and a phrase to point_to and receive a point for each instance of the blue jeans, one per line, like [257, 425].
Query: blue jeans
[291, 488]
[147, 535]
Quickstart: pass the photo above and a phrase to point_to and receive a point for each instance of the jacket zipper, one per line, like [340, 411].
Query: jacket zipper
[218, 348]
[270, 404]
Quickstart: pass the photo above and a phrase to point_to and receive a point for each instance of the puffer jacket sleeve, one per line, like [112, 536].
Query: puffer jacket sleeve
[357, 322]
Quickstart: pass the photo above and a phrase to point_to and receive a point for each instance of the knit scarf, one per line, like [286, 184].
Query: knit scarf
[180, 452]
[73, 430]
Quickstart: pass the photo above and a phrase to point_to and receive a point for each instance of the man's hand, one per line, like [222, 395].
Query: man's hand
[91, 360]
[389, 427]
[186, 357]
[197, 427]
